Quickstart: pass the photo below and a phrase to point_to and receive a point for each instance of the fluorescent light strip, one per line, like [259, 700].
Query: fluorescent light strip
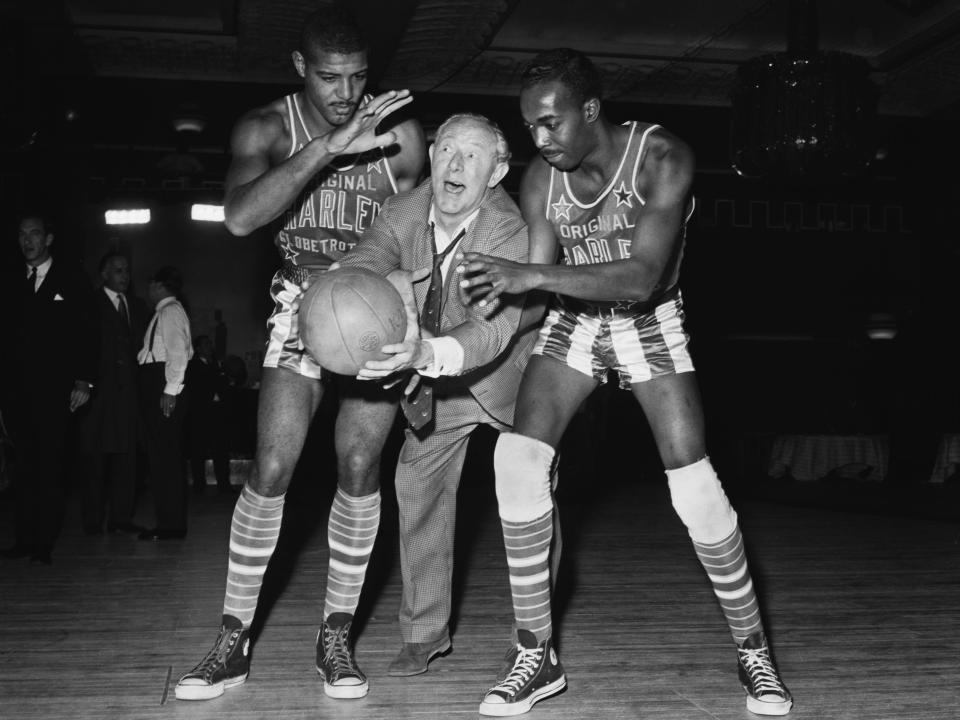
[206, 213]
[127, 217]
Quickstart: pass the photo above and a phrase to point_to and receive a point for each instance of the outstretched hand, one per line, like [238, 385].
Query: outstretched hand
[483, 278]
[360, 133]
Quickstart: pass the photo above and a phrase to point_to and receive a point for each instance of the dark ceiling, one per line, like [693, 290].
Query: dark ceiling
[120, 72]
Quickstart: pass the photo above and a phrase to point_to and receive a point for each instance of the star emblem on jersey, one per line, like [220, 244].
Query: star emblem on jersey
[289, 252]
[561, 209]
[375, 166]
[623, 195]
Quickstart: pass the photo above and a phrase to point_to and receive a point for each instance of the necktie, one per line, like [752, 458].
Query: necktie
[122, 309]
[32, 281]
[418, 406]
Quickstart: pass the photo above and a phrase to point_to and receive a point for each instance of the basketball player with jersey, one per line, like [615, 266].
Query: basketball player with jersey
[614, 200]
[313, 168]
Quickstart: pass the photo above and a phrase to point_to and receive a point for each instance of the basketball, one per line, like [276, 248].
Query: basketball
[347, 315]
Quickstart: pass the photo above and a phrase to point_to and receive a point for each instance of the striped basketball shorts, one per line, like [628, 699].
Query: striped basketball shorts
[639, 346]
[283, 336]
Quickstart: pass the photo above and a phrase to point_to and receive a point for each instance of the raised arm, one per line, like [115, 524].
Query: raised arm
[665, 179]
[258, 191]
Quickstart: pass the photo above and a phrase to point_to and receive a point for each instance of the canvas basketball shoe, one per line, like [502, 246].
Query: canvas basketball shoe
[766, 693]
[335, 663]
[536, 674]
[225, 666]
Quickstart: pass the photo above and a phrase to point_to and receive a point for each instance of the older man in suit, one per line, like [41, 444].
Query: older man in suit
[108, 427]
[49, 366]
[466, 360]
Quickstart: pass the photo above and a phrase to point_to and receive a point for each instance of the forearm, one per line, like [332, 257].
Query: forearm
[256, 203]
[618, 280]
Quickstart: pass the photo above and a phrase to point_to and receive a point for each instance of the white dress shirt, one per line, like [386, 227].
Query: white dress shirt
[171, 343]
[42, 270]
[116, 298]
[447, 352]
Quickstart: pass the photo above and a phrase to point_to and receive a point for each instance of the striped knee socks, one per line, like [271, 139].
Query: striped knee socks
[528, 559]
[351, 532]
[726, 565]
[253, 538]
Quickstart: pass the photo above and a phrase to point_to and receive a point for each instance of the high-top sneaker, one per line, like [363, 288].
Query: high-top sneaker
[766, 693]
[536, 674]
[335, 663]
[225, 666]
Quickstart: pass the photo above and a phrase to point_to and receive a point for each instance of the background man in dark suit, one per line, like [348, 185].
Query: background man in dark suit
[49, 364]
[108, 426]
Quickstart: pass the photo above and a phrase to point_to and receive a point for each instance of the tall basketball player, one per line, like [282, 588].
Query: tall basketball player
[615, 200]
[312, 167]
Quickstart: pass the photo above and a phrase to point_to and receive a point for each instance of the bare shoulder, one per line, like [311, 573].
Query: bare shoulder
[535, 182]
[263, 130]
[410, 157]
[667, 164]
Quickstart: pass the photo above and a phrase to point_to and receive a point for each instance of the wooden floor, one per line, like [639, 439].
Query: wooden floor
[863, 611]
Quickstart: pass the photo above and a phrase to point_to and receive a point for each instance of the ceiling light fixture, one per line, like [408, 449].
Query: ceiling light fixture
[803, 113]
[136, 216]
[206, 213]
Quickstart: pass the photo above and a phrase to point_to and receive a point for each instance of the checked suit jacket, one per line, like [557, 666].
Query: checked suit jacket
[495, 355]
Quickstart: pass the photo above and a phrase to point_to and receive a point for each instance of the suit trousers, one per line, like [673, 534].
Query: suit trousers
[111, 479]
[163, 443]
[427, 478]
[38, 426]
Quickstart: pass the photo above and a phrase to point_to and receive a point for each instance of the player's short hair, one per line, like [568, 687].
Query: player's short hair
[502, 149]
[170, 278]
[108, 256]
[570, 67]
[331, 29]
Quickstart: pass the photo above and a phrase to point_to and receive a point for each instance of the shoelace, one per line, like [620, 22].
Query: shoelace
[523, 669]
[761, 671]
[218, 653]
[336, 651]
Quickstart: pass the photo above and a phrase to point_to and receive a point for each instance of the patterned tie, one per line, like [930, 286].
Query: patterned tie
[418, 406]
[31, 285]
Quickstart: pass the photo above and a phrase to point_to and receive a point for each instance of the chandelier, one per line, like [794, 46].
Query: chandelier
[803, 113]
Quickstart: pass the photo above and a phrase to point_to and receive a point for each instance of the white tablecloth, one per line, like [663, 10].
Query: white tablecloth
[814, 457]
[948, 457]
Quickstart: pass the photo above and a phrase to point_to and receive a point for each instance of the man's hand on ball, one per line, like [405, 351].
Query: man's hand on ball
[407, 355]
[403, 281]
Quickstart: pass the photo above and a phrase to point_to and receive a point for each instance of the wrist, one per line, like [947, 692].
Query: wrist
[424, 357]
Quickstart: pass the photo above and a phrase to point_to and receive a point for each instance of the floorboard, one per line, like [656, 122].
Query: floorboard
[863, 611]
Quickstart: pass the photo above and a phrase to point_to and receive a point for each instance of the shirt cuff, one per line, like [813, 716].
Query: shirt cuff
[172, 388]
[447, 357]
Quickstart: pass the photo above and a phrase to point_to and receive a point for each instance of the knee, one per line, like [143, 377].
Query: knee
[522, 465]
[358, 470]
[272, 476]
[701, 503]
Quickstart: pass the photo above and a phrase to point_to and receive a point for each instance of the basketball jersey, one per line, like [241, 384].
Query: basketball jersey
[331, 213]
[601, 230]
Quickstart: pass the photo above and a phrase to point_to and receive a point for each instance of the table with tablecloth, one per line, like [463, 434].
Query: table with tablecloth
[818, 457]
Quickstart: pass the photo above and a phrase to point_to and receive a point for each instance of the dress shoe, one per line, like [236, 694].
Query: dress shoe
[161, 534]
[125, 528]
[413, 658]
[19, 550]
[41, 557]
